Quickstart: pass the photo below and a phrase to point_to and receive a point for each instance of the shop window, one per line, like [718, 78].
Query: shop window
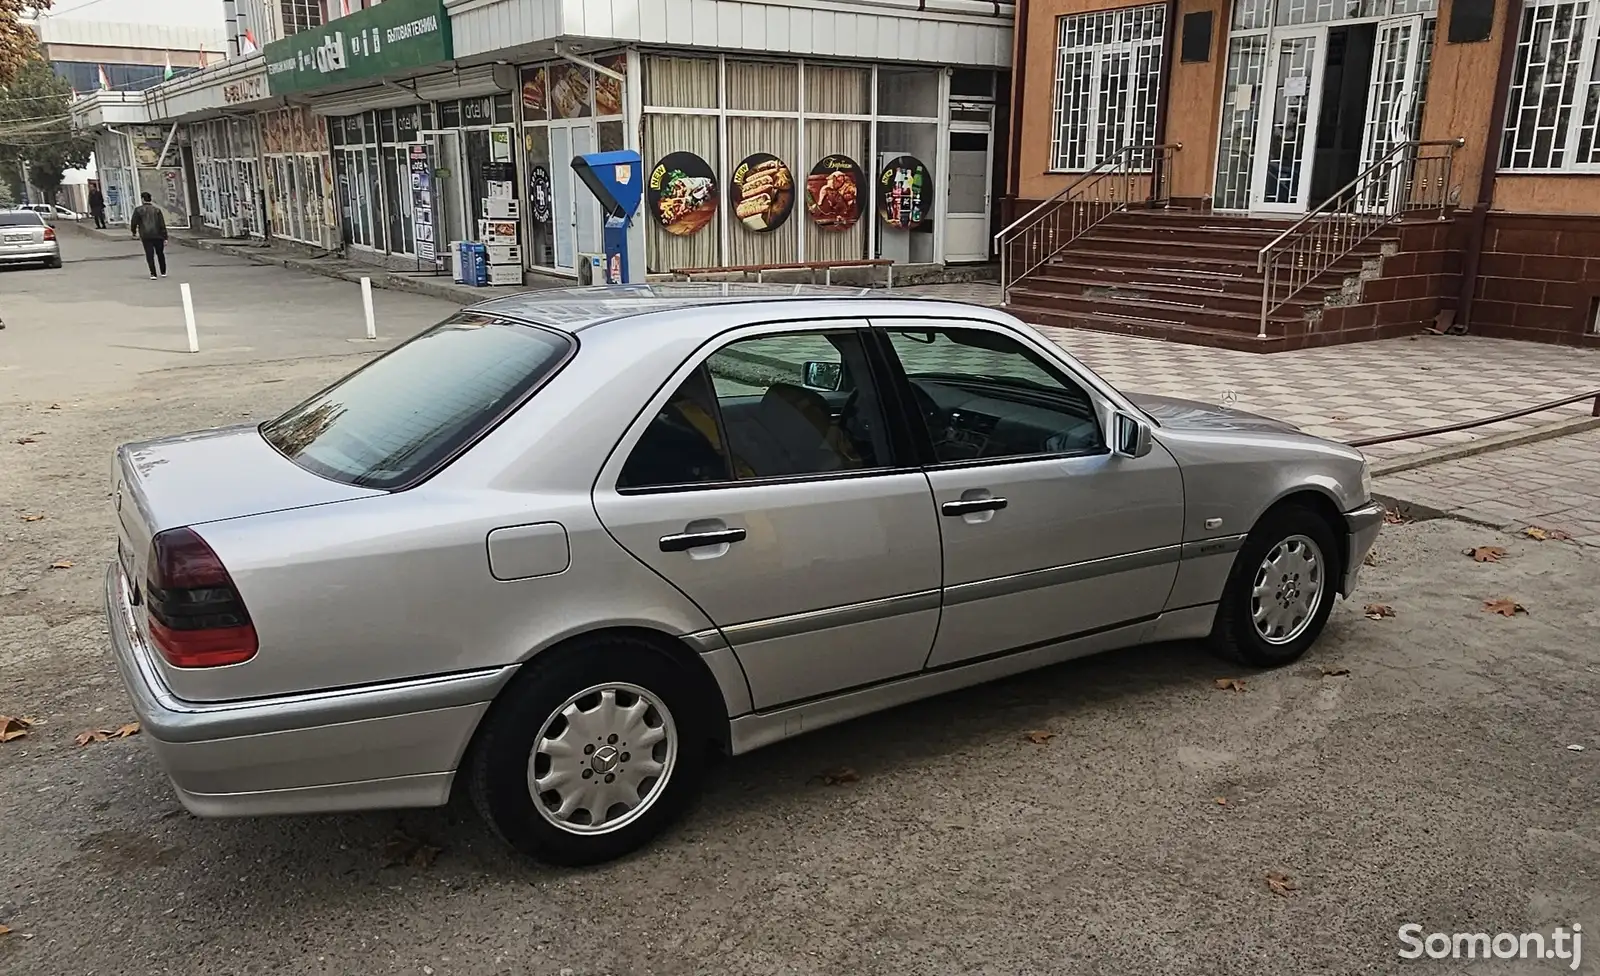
[425, 116]
[971, 83]
[504, 113]
[838, 91]
[386, 128]
[1552, 112]
[571, 91]
[610, 136]
[476, 111]
[747, 137]
[535, 95]
[836, 137]
[540, 211]
[1108, 70]
[759, 86]
[405, 125]
[908, 92]
[449, 115]
[680, 82]
[664, 135]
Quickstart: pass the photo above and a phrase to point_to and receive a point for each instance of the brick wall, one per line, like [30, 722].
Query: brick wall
[1539, 278]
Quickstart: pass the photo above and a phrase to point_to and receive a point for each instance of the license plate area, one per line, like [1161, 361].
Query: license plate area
[18, 238]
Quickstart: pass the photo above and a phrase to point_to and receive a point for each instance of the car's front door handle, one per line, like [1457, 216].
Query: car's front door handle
[684, 541]
[966, 506]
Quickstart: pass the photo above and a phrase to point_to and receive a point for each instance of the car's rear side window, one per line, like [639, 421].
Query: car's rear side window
[392, 422]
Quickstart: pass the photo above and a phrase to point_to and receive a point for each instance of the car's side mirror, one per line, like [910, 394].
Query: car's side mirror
[824, 376]
[1130, 436]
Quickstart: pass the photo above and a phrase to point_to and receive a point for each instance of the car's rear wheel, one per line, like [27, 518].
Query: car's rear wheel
[1281, 591]
[52, 263]
[592, 750]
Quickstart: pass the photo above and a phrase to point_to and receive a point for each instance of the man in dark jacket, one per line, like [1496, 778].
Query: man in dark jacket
[149, 224]
[97, 206]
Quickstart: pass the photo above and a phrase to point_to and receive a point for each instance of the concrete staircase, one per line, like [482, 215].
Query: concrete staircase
[1184, 275]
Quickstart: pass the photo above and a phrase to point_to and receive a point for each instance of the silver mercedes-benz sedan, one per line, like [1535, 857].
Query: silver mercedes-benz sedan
[563, 547]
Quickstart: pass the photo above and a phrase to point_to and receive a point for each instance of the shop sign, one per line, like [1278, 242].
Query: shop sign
[904, 189]
[393, 36]
[682, 193]
[763, 192]
[245, 90]
[833, 193]
[539, 194]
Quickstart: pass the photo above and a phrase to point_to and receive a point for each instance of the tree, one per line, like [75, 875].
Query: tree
[17, 40]
[35, 126]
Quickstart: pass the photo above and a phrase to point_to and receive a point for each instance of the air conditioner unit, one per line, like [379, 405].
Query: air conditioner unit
[591, 269]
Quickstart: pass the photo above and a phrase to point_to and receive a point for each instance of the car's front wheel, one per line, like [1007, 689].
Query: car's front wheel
[1281, 591]
[592, 750]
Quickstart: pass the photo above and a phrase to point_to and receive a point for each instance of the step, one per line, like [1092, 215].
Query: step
[1160, 279]
[1246, 319]
[1046, 289]
[1153, 329]
[1176, 259]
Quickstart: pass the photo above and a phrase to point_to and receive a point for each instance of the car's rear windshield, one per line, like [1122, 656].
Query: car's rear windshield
[23, 219]
[394, 421]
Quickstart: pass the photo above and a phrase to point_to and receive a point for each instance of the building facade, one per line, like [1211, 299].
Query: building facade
[1461, 135]
[401, 127]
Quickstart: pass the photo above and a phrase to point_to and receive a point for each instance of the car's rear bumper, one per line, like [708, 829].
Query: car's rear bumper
[1362, 526]
[391, 745]
[32, 252]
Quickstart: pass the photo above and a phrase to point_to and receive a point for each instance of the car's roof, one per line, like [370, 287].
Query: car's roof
[575, 309]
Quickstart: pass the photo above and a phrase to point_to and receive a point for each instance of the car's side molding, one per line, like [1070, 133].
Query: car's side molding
[1059, 575]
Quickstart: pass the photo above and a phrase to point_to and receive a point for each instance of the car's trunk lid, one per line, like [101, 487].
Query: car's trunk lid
[205, 477]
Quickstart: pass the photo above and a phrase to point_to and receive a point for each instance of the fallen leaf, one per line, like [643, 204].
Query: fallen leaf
[1540, 534]
[5, 930]
[123, 731]
[1504, 607]
[837, 777]
[26, 440]
[1335, 416]
[14, 728]
[1334, 672]
[1039, 737]
[1574, 748]
[1484, 554]
[1222, 801]
[1371, 558]
[1280, 883]
[1393, 517]
[106, 735]
[403, 849]
[55, 406]
[32, 518]
[61, 564]
[1377, 611]
[1230, 684]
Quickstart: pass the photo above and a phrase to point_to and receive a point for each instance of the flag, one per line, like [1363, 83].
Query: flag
[167, 75]
[247, 43]
[105, 83]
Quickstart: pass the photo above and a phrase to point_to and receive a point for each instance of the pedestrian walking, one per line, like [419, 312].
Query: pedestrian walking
[149, 224]
[97, 206]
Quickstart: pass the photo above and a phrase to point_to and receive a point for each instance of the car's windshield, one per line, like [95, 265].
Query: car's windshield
[391, 422]
[24, 218]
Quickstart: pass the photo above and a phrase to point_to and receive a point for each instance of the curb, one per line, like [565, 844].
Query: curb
[1484, 445]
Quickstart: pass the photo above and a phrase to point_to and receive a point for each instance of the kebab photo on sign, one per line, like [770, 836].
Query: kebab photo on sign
[682, 193]
[763, 192]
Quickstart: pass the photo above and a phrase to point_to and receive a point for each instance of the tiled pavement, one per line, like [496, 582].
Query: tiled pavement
[1344, 392]
[1554, 484]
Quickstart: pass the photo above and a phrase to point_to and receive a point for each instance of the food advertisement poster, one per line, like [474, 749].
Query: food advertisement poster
[569, 92]
[833, 193]
[682, 193]
[763, 192]
[905, 193]
[535, 100]
[608, 90]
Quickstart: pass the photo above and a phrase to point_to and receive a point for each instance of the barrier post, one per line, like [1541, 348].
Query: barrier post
[188, 317]
[366, 303]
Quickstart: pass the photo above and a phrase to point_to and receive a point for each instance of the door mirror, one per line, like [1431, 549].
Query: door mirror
[1130, 436]
[824, 376]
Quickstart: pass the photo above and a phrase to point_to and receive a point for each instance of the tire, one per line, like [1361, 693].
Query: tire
[52, 263]
[1290, 534]
[503, 763]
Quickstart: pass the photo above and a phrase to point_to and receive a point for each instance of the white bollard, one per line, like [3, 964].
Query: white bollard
[366, 302]
[188, 318]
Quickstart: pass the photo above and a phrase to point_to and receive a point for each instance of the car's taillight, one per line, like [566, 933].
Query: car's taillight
[49, 233]
[197, 618]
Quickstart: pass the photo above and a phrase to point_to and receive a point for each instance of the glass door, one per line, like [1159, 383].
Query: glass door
[1292, 96]
[1391, 104]
[966, 220]
[450, 208]
[563, 219]
[587, 218]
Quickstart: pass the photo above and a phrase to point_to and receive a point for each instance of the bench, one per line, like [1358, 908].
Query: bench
[760, 270]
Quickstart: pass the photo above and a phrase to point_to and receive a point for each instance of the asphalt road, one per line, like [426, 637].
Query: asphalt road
[1432, 783]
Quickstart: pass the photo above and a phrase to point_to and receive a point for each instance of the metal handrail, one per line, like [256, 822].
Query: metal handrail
[1091, 198]
[1482, 422]
[1398, 181]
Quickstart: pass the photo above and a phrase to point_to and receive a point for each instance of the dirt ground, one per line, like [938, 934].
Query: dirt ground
[1411, 768]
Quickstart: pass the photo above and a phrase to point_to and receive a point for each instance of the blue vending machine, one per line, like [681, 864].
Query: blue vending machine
[617, 180]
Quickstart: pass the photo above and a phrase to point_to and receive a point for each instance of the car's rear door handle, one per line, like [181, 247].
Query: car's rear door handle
[966, 506]
[684, 541]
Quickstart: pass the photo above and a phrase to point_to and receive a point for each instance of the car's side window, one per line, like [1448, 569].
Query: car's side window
[683, 445]
[983, 395]
[799, 403]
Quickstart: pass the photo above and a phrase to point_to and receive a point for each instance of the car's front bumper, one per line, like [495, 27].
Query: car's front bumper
[48, 251]
[1362, 527]
[391, 745]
